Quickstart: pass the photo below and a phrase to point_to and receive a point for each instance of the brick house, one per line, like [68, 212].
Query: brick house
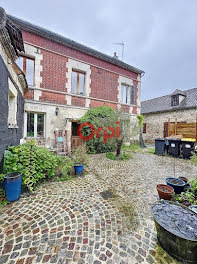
[66, 78]
[180, 106]
[12, 85]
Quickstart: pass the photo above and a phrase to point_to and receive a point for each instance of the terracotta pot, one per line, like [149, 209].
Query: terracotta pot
[165, 192]
[183, 179]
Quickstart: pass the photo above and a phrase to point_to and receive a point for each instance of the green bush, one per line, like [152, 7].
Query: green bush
[125, 156]
[35, 163]
[102, 116]
[111, 156]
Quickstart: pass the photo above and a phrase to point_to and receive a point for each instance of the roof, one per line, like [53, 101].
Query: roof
[40, 31]
[161, 104]
[178, 92]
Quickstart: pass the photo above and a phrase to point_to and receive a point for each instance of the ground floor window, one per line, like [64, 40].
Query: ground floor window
[35, 125]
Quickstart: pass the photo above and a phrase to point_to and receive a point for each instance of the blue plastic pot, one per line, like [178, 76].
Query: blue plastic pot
[12, 184]
[78, 168]
[179, 187]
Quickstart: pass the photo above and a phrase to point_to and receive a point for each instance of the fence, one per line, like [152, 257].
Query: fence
[187, 130]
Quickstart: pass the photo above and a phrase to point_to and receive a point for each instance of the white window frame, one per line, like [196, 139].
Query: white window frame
[123, 101]
[12, 109]
[35, 124]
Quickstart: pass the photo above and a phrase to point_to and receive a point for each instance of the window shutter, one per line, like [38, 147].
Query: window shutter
[144, 128]
[132, 95]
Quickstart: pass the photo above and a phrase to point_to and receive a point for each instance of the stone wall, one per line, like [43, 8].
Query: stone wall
[155, 122]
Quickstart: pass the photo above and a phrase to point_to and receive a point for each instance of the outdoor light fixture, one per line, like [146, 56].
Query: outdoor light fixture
[56, 111]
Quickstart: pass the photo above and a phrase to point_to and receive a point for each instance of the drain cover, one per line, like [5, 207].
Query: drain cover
[108, 194]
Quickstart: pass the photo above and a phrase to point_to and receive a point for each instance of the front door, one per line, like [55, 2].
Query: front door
[76, 140]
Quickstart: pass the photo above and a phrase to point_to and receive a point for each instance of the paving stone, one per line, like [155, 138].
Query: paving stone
[66, 222]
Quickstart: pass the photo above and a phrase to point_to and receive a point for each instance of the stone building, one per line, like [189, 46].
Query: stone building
[66, 78]
[12, 85]
[180, 106]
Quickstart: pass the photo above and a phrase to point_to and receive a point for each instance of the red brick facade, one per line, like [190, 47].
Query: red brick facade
[104, 75]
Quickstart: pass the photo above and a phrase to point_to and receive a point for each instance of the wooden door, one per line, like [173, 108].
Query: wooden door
[76, 140]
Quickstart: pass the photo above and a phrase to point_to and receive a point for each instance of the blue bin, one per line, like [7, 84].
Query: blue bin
[78, 169]
[12, 184]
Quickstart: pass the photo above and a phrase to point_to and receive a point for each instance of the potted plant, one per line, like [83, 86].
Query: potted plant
[176, 184]
[80, 159]
[165, 192]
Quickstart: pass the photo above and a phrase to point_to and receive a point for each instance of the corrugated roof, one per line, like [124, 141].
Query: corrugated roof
[161, 104]
[71, 43]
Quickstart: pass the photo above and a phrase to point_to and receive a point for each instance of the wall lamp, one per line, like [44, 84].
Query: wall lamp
[56, 111]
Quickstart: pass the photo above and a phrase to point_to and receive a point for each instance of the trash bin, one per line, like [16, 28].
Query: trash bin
[160, 146]
[12, 183]
[188, 145]
[174, 147]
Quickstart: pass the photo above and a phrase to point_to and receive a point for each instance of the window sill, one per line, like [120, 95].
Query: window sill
[12, 126]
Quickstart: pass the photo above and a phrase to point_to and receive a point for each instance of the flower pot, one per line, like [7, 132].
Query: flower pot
[183, 179]
[13, 183]
[176, 184]
[78, 168]
[165, 192]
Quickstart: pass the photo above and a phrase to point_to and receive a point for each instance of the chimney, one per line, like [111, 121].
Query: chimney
[115, 56]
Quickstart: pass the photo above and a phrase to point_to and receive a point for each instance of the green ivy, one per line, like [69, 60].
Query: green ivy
[35, 163]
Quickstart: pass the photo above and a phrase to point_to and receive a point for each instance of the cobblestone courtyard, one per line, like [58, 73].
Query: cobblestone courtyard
[103, 217]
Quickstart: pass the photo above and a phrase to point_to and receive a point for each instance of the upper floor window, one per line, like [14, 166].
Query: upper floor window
[28, 67]
[127, 94]
[124, 94]
[175, 100]
[78, 82]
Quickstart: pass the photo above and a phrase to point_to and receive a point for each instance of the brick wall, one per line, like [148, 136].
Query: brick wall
[96, 103]
[9, 136]
[104, 83]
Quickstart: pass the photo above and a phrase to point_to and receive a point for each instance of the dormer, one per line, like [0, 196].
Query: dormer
[177, 97]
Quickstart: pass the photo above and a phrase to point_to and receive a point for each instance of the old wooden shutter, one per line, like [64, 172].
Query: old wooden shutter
[132, 101]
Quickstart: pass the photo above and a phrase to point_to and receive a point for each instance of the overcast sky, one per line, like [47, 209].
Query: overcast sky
[160, 36]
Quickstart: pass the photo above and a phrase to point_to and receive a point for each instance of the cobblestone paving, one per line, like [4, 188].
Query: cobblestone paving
[101, 218]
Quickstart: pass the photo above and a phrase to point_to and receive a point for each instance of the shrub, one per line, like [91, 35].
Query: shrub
[111, 156]
[125, 156]
[35, 163]
[80, 155]
[102, 116]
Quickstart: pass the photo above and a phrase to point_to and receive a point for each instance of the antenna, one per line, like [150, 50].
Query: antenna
[122, 46]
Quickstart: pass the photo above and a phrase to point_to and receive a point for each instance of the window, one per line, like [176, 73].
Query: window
[78, 82]
[27, 65]
[124, 93]
[144, 128]
[12, 104]
[35, 125]
[175, 100]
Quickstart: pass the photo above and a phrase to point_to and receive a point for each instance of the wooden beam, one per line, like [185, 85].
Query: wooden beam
[175, 126]
[168, 127]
